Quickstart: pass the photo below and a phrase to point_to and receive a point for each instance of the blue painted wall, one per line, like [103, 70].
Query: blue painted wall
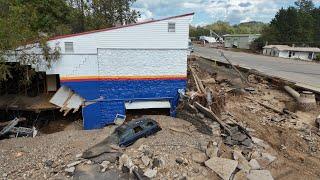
[117, 92]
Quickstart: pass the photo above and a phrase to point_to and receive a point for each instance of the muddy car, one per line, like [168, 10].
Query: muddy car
[136, 129]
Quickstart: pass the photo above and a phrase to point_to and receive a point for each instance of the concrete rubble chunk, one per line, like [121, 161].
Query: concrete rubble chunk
[199, 157]
[212, 149]
[259, 142]
[126, 161]
[150, 173]
[266, 159]
[73, 164]
[259, 175]
[70, 170]
[243, 163]
[241, 175]
[145, 160]
[254, 164]
[105, 164]
[223, 167]
[158, 162]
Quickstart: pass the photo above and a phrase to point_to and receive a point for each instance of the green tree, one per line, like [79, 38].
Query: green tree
[108, 13]
[305, 5]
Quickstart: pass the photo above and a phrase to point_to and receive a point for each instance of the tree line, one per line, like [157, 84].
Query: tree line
[298, 24]
[222, 28]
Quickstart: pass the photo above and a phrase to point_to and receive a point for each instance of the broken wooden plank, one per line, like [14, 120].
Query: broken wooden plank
[197, 80]
[266, 106]
[213, 116]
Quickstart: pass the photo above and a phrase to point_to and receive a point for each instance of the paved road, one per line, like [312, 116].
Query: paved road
[293, 70]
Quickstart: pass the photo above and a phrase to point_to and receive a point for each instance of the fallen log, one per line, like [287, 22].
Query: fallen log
[207, 112]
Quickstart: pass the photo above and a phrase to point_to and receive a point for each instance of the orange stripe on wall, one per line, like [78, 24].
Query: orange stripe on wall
[121, 78]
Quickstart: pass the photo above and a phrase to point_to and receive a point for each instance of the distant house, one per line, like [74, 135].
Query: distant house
[241, 41]
[284, 51]
[207, 39]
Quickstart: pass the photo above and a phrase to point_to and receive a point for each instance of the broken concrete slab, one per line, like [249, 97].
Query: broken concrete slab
[70, 170]
[254, 164]
[223, 167]
[259, 142]
[243, 163]
[266, 159]
[259, 175]
[241, 175]
[199, 157]
[150, 173]
[145, 160]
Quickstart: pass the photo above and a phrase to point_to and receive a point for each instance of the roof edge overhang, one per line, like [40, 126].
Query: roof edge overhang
[118, 27]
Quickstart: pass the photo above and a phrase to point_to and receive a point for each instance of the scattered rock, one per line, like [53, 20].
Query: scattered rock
[126, 161]
[212, 149]
[254, 164]
[158, 162]
[223, 167]
[145, 160]
[259, 142]
[241, 175]
[48, 163]
[259, 175]
[79, 155]
[73, 164]
[105, 164]
[199, 157]
[70, 170]
[150, 173]
[179, 160]
[266, 159]
[243, 163]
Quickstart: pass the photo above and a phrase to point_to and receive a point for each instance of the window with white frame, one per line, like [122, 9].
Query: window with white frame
[171, 27]
[68, 47]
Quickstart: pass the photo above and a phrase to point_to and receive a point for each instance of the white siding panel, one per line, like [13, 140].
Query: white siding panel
[153, 35]
[75, 65]
[120, 62]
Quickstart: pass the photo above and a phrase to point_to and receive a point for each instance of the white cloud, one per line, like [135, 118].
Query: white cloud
[209, 11]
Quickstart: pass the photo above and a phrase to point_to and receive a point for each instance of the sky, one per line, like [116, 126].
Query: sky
[209, 11]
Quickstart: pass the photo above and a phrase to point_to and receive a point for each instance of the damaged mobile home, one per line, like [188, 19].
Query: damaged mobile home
[110, 71]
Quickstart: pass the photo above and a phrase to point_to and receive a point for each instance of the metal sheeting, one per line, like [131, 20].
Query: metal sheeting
[67, 100]
[148, 105]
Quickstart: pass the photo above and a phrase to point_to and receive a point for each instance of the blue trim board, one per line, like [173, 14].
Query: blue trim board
[116, 93]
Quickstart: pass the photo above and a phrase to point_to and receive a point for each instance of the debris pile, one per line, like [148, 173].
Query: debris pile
[227, 128]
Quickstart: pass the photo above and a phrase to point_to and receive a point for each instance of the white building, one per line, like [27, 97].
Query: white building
[138, 66]
[241, 41]
[207, 39]
[284, 51]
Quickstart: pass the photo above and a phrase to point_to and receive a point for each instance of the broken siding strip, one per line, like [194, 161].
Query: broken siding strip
[123, 78]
